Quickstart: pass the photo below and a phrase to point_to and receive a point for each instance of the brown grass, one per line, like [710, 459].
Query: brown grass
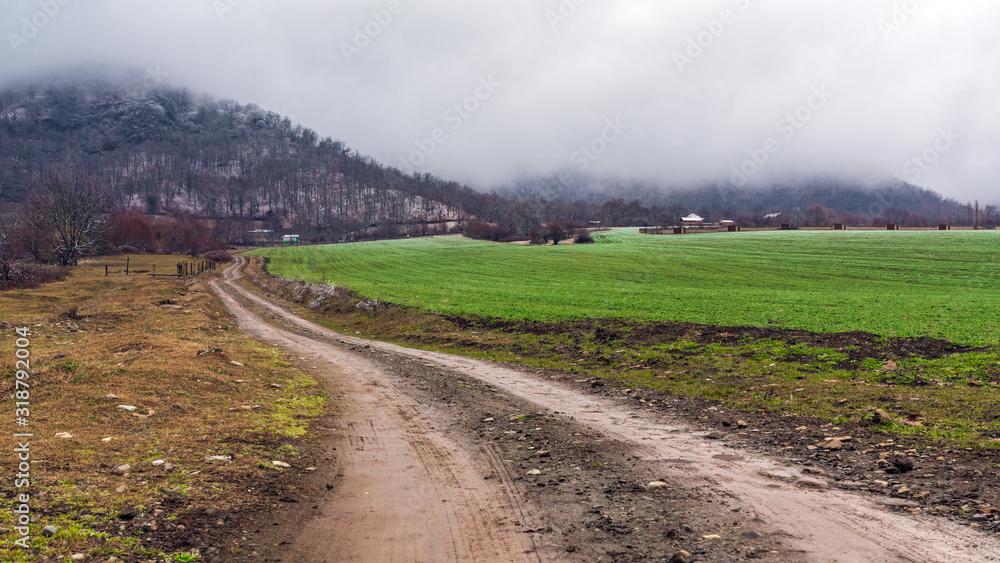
[138, 338]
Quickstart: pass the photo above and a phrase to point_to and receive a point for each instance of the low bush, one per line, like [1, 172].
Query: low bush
[18, 275]
[218, 256]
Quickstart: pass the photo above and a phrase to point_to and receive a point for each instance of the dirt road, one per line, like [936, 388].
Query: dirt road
[405, 491]
[410, 493]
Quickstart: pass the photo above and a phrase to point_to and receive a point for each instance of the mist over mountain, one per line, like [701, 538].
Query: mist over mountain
[865, 197]
[168, 151]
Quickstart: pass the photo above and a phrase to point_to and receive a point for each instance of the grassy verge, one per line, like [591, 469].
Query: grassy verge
[933, 389]
[215, 409]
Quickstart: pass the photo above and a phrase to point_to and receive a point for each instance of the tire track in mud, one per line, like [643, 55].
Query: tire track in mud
[405, 492]
[822, 525]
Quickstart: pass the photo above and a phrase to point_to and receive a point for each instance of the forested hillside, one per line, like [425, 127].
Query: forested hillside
[815, 201]
[176, 156]
[163, 150]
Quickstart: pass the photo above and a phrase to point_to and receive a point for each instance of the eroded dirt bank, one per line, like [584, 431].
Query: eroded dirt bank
[797, 516]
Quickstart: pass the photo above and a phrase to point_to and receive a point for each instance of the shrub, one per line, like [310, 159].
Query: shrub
[583, 237]
[17, 275]
[535, 237]
[476, 229]
[218, 256]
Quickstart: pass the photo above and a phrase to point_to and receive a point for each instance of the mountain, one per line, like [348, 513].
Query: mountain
[166, 150]
[879, 198]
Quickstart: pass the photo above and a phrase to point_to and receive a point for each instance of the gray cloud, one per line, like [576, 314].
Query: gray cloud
[703, 87]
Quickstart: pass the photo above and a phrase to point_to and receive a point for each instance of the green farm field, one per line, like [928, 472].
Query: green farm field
[906, 283]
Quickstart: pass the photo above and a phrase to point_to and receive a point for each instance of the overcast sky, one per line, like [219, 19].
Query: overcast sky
[483, 91]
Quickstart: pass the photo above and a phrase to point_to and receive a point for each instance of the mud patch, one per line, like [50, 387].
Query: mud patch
[857, 345]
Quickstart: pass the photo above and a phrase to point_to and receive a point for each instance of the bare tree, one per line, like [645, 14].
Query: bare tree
[555, 232]
[72, 204]
[8, 225]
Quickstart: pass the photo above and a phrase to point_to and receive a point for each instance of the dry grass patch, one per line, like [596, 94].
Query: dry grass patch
[199, 387]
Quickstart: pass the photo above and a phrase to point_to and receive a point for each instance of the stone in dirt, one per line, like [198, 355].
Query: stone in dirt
[127, 512]
[280, 464]
[833, 444]
[64, 435]
[903, 463]
[49, 530]
[882, 417]
[812, 483]
[656, 485]
[741, 423]
[715, 435]
[78, 557]
[122, 469]
[681, 557]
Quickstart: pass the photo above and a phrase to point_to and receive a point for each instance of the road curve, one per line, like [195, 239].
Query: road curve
[405, 492]
[822, 525]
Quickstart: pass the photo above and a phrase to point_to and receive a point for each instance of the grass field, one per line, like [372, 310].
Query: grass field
[906, 283]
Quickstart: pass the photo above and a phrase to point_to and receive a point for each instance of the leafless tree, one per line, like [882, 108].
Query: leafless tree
[71, 205]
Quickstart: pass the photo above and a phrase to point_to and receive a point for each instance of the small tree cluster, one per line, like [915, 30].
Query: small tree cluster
[486, 231]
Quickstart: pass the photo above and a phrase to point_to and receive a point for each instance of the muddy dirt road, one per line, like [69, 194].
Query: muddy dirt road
[405, 491]
[409, 492]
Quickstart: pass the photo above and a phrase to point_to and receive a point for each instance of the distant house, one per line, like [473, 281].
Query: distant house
[261, 235]
[693, 219]
[290, 238]
[727, 222]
